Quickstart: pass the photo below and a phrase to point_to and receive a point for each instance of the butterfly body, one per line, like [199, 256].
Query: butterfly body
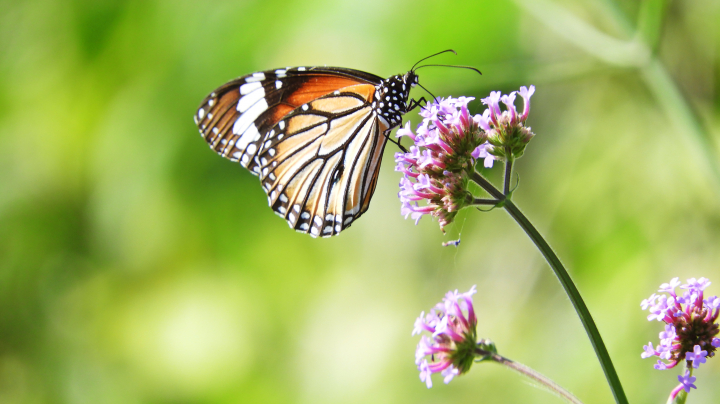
[314, 136]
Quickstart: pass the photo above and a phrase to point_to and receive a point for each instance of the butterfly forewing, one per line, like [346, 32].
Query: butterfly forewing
[234, 118]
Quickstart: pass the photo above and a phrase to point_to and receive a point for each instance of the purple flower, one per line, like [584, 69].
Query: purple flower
[668, 335]
[687, 381]
[492, 101]
[649, 351]
[697, 356]
[712, 302]
[690, 324]
[425, 373]
[405, 131]
[696, 284]
[450, 372]
[650, 301]
[670, 287]
[526, 93]
[453, 339]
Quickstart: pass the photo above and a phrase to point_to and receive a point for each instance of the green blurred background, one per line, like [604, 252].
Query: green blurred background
[136, 266]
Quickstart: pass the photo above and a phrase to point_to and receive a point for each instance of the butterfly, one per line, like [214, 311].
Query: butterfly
[314, 135]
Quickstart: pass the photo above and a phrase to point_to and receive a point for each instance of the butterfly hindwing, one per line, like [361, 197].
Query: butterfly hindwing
[319, 164]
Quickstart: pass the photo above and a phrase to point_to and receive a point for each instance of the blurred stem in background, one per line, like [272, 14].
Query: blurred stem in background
[529, 373]
[638, 53]
[567, 283]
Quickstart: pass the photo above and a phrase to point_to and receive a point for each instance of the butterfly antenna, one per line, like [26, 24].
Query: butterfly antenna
[428, 57]
[428, 91]
[457, 66]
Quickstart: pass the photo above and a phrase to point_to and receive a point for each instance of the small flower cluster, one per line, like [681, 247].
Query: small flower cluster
[448, 142]
[507, 134]
[453, 342]
[691, 328]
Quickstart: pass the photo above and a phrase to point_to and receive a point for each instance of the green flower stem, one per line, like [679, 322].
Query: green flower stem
[481, 201]
[508, 174]
[567, 283]
[530, 373]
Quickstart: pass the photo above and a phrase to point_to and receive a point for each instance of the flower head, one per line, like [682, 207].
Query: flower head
[448, 143]
[507, 133]
[690, 324]
[436, 168]
[453, 341]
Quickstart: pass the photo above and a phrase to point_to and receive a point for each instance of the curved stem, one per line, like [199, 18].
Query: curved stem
[567, 283]
[531, 373]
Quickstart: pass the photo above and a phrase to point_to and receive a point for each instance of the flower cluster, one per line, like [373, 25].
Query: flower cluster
[448, 143]
[691, 328]
[453, 343]
[507, 134]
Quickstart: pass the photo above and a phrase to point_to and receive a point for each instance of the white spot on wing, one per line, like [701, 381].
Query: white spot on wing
[250, 99]
[260, 76]
[249, 117]
[278, 84]
[247, 88]
[251, 149]
[244, 140]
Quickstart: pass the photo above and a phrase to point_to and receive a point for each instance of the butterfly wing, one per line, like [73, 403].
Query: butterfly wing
[319, 164]
[235, 118]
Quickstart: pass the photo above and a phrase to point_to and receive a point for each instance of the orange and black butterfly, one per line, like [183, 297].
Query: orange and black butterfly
[315, 136]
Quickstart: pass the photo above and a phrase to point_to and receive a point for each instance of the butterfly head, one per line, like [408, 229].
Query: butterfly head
[411, 78]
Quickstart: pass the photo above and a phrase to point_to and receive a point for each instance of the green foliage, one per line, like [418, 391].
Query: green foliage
[136, 266]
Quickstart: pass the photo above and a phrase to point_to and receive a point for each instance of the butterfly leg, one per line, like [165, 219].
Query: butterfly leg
[387, 135]
[415, 103]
